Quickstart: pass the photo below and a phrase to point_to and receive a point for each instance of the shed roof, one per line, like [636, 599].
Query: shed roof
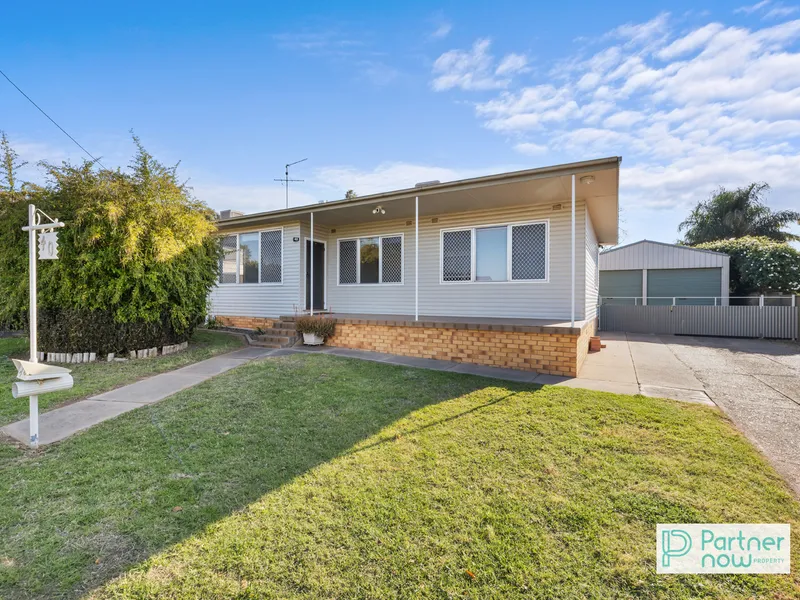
[648, 254]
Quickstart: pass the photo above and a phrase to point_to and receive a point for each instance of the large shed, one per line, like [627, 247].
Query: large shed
[656, 273]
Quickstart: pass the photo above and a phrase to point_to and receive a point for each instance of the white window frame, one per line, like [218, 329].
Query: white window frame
[380, 237]
[238, 235]
[508, 226]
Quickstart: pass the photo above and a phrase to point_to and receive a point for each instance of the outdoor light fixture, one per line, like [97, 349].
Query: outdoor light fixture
[378, 210]
[587, 179]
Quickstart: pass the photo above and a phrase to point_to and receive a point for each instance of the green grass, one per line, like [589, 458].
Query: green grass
[311, 476]
[93, 378]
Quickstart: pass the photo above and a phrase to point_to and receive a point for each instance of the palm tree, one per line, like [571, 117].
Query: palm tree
[737, 213]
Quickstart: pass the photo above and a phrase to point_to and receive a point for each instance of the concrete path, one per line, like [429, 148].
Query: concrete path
[62, 422]
[637, 364]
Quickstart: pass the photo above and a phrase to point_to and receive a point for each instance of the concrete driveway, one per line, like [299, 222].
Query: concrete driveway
[756, 383]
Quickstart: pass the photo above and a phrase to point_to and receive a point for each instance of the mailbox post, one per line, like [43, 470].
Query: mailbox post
[49, 252]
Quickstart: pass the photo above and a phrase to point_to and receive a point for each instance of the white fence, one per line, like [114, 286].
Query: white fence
[758, 321]
[784, 300]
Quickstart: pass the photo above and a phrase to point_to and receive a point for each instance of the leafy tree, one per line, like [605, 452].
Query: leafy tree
[760, 265]
[737, 213]
[349, 194]
[9, 165]
[137, 257]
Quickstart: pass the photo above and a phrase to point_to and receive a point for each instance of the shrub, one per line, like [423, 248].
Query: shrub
[760, 265]
[76, 330]
[137, 257]
[321, 326]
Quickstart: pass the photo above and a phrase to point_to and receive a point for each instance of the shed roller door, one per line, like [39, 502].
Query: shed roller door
[683, 282]
[621, 287]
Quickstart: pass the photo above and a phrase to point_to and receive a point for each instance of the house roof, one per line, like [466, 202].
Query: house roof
[535, 186]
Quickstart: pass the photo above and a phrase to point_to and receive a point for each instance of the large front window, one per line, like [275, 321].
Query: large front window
[255, 257]
[512, 252]
[371, 260]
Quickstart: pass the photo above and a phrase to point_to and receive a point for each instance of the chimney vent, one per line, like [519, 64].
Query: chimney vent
[423, 184]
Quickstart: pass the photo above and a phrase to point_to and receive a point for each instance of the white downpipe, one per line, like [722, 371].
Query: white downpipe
[416, 258]
[33, 403]
[572, 303]
[311, 262]
[644, 287]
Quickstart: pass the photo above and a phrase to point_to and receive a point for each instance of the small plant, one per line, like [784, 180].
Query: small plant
[260, 331]
[213, 323]
[321, 326]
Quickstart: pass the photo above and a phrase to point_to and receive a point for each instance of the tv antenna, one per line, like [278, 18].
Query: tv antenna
[286, 179]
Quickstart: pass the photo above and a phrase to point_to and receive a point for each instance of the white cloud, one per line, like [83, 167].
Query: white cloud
[475, 69]
[512, 63]
[378, 72]
[688, 110]
[642, 34]
[441, 31]
[530, 148]
[752, 7]
[690, 42]
[624, 119]
[392, 176]
[249, 198]
[468, 70]
[768, 9]
[780, 11]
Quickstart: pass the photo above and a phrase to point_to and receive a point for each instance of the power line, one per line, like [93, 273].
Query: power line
[52, 120]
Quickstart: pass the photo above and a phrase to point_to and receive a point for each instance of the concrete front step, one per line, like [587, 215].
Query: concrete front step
[274, 339]
[263, 344]
[281, 331]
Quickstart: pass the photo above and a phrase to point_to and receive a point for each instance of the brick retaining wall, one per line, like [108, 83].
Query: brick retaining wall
[553, 353]
[246, 322]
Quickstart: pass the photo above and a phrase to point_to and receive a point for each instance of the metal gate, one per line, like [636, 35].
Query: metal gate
[779, 322]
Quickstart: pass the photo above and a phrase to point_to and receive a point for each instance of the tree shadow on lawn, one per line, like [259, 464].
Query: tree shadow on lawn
[79, 513]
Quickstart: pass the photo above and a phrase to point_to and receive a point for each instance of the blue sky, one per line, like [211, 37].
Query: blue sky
[691, 95]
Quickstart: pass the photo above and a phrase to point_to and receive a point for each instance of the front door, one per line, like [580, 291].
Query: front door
[319, 275]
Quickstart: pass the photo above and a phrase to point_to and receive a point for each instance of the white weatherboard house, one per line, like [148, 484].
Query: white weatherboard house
[499, 270]
[654, 273]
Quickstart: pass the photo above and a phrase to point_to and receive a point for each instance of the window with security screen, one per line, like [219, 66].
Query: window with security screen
[495, 253]
[228, 263]
[392, 259]
[271, 256]
[371, 260]
[457, 255]
[254, 257]
[348, 261]
[529, 252]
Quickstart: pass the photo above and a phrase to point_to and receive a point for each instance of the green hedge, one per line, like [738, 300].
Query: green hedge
[138, 257]
[75, 330]
[760, 265]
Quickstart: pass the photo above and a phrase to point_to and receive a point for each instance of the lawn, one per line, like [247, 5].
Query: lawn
[92, 378]
[312, 476]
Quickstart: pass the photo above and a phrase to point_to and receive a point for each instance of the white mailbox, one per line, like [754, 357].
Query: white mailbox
[38, 378]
